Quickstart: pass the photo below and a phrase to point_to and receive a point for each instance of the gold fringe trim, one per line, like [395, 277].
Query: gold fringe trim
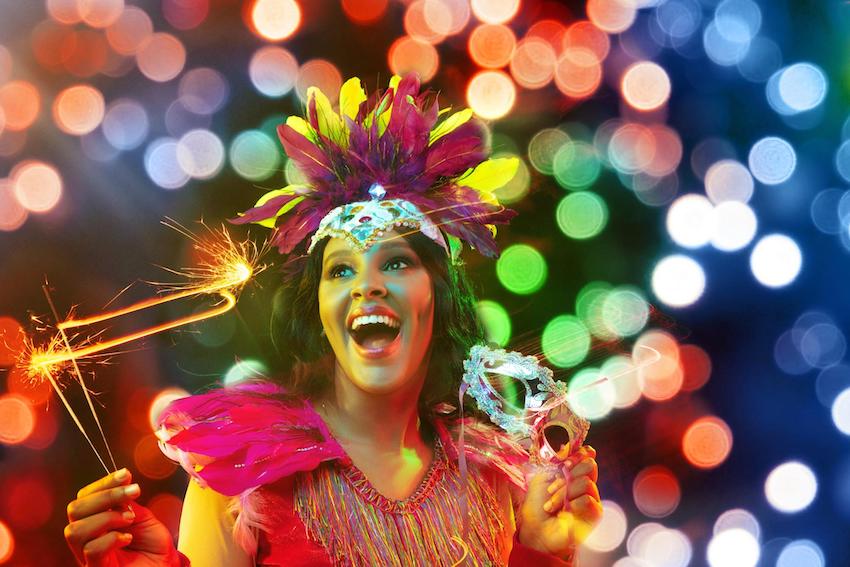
[360, 527]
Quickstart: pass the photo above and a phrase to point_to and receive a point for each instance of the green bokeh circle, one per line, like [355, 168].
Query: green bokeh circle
[582, 215]
[565, 341]
[521, 269]
[576, 166]
[496, 321]
[254, 155]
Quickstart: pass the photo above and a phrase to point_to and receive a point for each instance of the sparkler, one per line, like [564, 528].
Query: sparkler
[227, 268]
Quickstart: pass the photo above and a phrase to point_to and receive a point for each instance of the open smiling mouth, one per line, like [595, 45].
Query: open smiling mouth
[375, 332]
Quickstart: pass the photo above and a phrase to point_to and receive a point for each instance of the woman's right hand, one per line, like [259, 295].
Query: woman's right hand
[107, 528]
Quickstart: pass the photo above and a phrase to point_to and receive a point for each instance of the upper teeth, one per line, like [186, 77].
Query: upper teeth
[373, 319]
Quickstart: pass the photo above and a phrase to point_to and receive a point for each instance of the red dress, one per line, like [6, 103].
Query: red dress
[310, 506]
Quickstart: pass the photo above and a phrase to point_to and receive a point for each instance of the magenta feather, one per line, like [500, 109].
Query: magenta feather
[241, 437]
[237, 438]
[265, 211]
[309, 157]
[457, 151]
[298, 225]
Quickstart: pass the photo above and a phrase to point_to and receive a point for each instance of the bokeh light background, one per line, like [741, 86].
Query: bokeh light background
[683, 186]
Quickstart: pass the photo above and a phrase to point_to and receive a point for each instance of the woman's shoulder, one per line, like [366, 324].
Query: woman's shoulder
[240, 437]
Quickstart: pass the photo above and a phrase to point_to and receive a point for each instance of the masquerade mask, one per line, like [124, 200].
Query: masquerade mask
[520, 396]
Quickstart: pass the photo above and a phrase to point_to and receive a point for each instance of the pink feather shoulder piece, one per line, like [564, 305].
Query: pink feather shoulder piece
[238, 438]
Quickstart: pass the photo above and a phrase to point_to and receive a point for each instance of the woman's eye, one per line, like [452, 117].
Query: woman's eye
[340, 271]
[398, 264]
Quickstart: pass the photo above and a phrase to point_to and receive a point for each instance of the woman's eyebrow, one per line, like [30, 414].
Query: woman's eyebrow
[391, 246]
[332, 255]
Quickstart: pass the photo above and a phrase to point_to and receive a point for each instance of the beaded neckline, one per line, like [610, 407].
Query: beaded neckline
[364, 488]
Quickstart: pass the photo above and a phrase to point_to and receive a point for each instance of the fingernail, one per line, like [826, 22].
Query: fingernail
[125, 537]
[122, 474]
[128, 515]
[547, 507]
[132, 490]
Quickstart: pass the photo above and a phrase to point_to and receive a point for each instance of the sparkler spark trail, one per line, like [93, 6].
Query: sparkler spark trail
[230, 265]
[85, 390]
[227, 268]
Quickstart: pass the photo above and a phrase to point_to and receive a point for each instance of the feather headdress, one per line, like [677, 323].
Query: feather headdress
[398, 142]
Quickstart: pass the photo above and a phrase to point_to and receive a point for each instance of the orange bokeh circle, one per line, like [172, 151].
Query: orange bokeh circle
[707, 442]
[656, 492]
[17, 419]
[408, 54]
[20, 102]
[149, 459]
[364, 11]
[492, 45]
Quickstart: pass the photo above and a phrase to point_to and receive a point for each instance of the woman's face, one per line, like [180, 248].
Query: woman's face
[377, 310]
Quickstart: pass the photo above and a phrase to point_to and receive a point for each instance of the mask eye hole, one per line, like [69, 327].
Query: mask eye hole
[512, 392]
[556, 436]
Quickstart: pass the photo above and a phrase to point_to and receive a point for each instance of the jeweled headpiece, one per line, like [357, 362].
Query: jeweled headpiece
[385, 162]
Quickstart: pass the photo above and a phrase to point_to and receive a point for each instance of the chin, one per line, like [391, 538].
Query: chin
[379, 378]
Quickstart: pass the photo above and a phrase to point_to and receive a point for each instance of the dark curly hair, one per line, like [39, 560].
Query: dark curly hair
[296, 329]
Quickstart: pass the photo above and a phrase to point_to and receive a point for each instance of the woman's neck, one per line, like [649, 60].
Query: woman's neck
[385, 423]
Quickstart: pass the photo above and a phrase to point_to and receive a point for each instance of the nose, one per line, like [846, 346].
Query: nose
[369, 285]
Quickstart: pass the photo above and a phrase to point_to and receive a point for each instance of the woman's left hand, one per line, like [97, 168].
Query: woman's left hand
[545, 524]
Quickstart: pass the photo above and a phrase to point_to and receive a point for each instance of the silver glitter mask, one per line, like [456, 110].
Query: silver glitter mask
[498, 380]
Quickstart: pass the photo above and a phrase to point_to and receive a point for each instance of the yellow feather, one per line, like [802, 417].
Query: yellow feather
[487, 197]
[490, 174]
[351, 95]
[384, 121]
[449, 124]
[330, 124]
[302, 127]
[288, 190]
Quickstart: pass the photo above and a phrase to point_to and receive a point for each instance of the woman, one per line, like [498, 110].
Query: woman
[356, 460]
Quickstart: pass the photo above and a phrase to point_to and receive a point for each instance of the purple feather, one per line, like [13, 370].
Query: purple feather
[264, 211]
[414, 134]
[311, 160]
[402, 107]
[358, 137]
[300, 223]
[456, 152]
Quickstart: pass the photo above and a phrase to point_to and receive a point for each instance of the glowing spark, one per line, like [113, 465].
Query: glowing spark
[227, 267]
[226, 264]
[32, 353]
[45, 359]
